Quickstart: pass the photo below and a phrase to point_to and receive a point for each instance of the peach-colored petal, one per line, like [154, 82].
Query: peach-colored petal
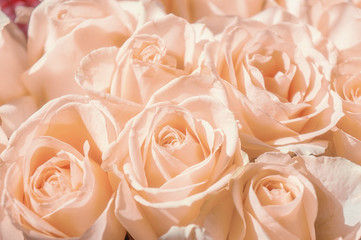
[346, 146]
[186, 233]
[16, 112]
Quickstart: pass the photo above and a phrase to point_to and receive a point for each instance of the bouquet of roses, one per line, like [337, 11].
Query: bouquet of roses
[183, 119]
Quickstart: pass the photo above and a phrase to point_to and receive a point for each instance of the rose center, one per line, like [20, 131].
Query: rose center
[170, 136]
[273, 72]
[153, 51]
[56, 177]
[276, 191]
[352, 90]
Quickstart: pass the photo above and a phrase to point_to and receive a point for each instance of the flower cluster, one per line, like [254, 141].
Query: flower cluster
[186, 119]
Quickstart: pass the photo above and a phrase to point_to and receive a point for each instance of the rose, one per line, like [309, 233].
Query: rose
[160, 51]
[15, 106]
[278, 81]
[54, 185]
[62, 32]
[346, 80]
[279, 197]
[273, 201]
[169, 160]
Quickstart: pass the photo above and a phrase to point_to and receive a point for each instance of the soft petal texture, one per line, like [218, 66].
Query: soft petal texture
[169, 160]
[336, 190]
[62, 32]
[337, 184]
[272, 201]
[188, 232]
[277, 78]
[54, 185]
[159, 51]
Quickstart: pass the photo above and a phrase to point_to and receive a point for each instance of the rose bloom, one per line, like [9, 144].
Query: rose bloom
[15, 105]
[279, 197]
[62, 32]
[346, 139]
[158, 52]
[54, 186]
[278, 81]
[169, 160]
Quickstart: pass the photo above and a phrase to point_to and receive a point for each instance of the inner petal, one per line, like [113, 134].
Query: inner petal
[152, 50]
[277, 71]
[169, 136]
[352, 89]
[276, 190]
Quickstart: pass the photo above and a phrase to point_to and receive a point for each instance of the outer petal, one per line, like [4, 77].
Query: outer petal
[337, 182]
[16, 112]
[339, 21]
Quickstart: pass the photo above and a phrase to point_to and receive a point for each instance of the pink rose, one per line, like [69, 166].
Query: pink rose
[278, 81]
[15, 105]
[279, 197]
[158, 52]
[62, 32]
[169, 160]
[54, 185]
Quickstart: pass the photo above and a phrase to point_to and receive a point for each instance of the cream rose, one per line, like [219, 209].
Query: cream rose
[278, 81]
[54, 185]
[15, 105]
[160, 51]
[169, 160]
[62, 32]
[279, 197]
